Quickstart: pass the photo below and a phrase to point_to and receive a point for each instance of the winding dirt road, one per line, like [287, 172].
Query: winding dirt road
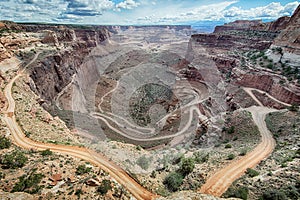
[218, 183]
[215, 185]
[80, 152]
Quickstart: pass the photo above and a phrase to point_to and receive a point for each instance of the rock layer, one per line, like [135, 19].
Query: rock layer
[267, 84]
[53, 73]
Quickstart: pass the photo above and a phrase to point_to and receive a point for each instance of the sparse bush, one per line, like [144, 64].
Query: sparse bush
[252, 173]
[173, 181]
[153, 174]
[4, 143]
[228, 146]
[143, 162]
[241, 192]
[273, 195]
[178, 158]
[14, 160]
[198, 158]
[270, 66]
[2, 175]
[230, 157]
[293, 108]
[138, 147]
[104, 187]
[229, 130]
[29, 183]
[187, 166]
[46, 152]
[162, 191]
[218, 145]
[78, 193]
[82, 169]
[292, 192]
[243, 152]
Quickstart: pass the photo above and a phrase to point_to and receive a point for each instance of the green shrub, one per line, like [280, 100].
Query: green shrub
[14, 160]
[293, 108]
[241, 192]
[177, 159]
[252, 173]
[82, 169]
[243, 152]
[143, 162]
[78, 193]
[162, 191]
[187, 166]
[199, 158]
[173, 181]
[273, 195]
[231, 130]
[228, 146]
[230, 156]
[104, 187]
[46, 152]
[28, 184]
[292, 192]
[270, 66]
[4, 143]
[138, 147]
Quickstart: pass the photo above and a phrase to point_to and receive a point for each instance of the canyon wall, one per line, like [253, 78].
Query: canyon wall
[289, 40]
[54, 72]
[246, 40]
[267, 84]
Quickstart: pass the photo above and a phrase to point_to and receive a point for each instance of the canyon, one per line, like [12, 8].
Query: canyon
[146, 97]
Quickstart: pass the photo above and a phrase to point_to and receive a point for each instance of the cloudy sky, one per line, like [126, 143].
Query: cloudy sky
[142, 11]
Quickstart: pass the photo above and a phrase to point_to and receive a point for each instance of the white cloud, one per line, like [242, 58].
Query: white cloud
[127, 4]
[136, 11]
[270, 11]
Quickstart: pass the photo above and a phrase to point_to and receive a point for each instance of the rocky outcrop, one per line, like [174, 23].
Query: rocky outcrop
[4, 54]
[50, 37]
[15, 195]
[245, 34]
[254, 25]
[8, 25]
[10, 41]
[267, 84]
[242, 41]
[279, 24]
[284, 94]
[192, 74]
[291, 35]
[238, 25]
[261, 82]
[289, 40]
[225, 64]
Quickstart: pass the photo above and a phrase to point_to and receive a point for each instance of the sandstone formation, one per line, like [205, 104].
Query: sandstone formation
[232, 41]
[291, 35]
[238, 25]
[289, 40]
[267, 84]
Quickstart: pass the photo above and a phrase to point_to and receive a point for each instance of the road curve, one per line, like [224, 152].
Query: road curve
[218, 183]
[95, 158]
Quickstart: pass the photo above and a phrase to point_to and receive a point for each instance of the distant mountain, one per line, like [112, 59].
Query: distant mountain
[205, 26]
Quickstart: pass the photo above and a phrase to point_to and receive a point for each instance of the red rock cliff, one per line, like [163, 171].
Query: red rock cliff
[266, 83]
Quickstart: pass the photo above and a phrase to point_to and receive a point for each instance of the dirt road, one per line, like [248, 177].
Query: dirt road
[218, 183]
[83, 153]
